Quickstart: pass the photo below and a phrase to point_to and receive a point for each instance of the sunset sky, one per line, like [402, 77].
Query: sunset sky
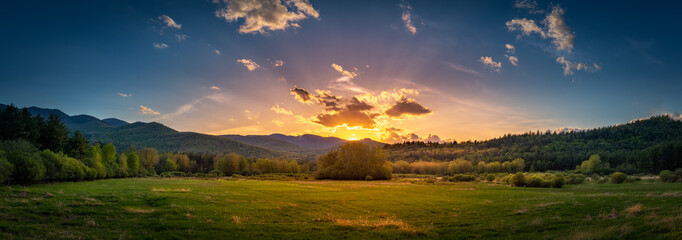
[387, 70]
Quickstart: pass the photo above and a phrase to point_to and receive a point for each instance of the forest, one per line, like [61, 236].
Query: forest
[643, 146]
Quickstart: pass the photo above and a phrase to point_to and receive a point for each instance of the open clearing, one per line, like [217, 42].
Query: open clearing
[156, 208]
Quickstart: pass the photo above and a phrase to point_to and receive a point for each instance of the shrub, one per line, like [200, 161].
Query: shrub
[667, 176]
[518, 180]
[369, 178]
[28, 167]
[430, 180]
[678, 173]
[534, 181]
[446, 179]
[5, 168]
[490, 177]
[618, 177]
[354, 161]
[173, 174]
[575, 178]
[216, 173]
[463, 178]
[558, 181]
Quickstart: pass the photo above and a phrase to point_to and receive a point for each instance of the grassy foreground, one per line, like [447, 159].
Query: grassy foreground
[154, 208]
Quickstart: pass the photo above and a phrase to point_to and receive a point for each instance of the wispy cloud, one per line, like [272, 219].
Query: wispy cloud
[148, 111]
[124, 95]
[489, 62]
[216, 51]
[349, 74]
[181, 36]
[407, 18]
[555, 28]
[281, 110]
[261, 16]
[510, 48]
[278, 63]
[570, 66]
[513, 60]
[160, 45]
[216, 88]
[169, 22]
[249, 64]
[461, 68]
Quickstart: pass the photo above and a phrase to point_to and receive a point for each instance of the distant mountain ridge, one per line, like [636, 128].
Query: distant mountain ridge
[163, 138]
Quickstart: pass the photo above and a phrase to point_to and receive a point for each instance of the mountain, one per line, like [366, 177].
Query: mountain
[304, 144]
[310, 141]
[157, 135]
[115, 122]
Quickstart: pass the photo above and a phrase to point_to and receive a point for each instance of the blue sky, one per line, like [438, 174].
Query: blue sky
[177, 62]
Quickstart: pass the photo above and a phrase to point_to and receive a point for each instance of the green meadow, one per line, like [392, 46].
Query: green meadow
[186, 208]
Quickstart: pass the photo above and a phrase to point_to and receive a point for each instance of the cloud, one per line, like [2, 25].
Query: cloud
[406, 106]
[346, 117]
[281, 110]
[570, 66]
[510, 48]
[146, 110]
[555, 28]
[461, 68]
[216, 88]
[266, 15]
[181, 37]
[278, 123]
[395, 135]
[169, 22]
[160, 45]
[302, 95]
[525, 4]
[558, 30]
[216, 51]
[513, 60]
[278, 63]
[215, 97]
[432, 138]
[348, 74]
[489, 62]
[124, 95]
[249, 64]
[407, 18]
[526, 26]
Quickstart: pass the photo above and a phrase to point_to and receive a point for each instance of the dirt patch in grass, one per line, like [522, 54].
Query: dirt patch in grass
[463, 189]
[139, 210]
[665, 194]
[170, 190]
[634, 209]
[549, 204]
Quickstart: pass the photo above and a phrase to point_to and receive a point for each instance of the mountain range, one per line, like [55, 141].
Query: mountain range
[165, 139]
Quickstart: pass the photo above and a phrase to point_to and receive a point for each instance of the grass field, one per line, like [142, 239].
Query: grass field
[156, 208]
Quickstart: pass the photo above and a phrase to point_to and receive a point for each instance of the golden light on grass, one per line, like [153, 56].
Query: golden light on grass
[139, 210]
[634, 209]
[170, 190]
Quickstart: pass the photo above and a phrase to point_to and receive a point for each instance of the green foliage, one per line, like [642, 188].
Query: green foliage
[149, 157]
[463, 178]
[518, 180]
[534, 181]
[667, 176]
[354, 161]
[54, 134]
[6, 168]
[133, 164]
[26, 162]
[558, 181]
[647, 146]
[573, 178]
[618, 177]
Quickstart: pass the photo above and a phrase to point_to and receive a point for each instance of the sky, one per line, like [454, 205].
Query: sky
[387, 70]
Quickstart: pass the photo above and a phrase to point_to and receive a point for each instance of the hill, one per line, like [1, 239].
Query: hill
[305, 144]
[156, 135]
[649, 145]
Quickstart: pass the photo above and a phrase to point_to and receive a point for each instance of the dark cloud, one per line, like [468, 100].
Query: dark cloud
[407, 106]
[357, 105]
[302, 95]
[350, 118]
[329, 101]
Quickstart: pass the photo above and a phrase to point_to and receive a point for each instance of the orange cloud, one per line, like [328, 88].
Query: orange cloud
[406, 106]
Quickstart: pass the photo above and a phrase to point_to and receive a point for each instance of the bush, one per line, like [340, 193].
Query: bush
[678, 173]
[667, 176]
[463, 178]
[354, 161]
[369, 178]
[575, 178]
[518, 180]
[5, 168]
[618, 177]
[173, 174]
[216, 173]
[490, 177]
[534, 181]
[446, 179]
[558, 181]
[28, 167]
